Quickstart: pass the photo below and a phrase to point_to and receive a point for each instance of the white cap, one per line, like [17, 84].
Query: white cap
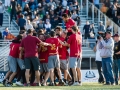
[39, 4]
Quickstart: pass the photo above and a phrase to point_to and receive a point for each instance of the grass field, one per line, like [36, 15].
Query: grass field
[85, 86]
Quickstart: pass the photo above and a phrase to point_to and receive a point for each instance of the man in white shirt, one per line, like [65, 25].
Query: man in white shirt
[28, 25]
[98, 60]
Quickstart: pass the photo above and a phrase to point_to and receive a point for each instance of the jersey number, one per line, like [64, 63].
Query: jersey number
[43, 49]
[12, 47]
[53, 47]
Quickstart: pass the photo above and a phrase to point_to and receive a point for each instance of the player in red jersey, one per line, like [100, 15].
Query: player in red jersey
[43, 57]
[29, 46]
[63, 55]
[75, 44]
[58, 31]
[68, 23]
[53, 59]
[12, 60]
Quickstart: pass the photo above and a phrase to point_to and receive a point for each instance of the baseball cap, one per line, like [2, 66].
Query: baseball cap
[116, 35]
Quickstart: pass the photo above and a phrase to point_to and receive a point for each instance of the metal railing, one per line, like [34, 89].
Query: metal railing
[105, 19]
[100, 16]
[4, 42]
[8, 17]
[16, 27]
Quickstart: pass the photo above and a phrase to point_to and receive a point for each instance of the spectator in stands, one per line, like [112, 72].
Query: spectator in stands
[48, 26]
[40, 25]
[32, 5]
[26, 9]
[67, 11]
[101, 28]
[91, 38]
[22, 23]
[2, 9]
[114, 9]
[76, 17]
[23, 3]
[116, 19]
[97, 2]
[103, 8]
[60, 15]
[71, 7]
[64, 3]
[41, 10]
[34, 14]
[13, 6]
[19, 9]
[47, 19]
[5, 33]
[98, 61]
[28, 25]
[118, 10]
[36, 20]
[52, 3]
[76, 6]
[55, 22]
[109, 28]
[7, 3]
[106, 53]
[116, 58]
[109, 12]
[86, 29]
[107, 3]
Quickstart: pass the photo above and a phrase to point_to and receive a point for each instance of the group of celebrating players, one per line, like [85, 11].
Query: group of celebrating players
[33, 59]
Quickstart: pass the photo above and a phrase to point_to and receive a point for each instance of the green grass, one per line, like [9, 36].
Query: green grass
[85, 86]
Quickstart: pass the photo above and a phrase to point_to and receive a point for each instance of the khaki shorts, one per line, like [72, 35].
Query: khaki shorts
[74, 62]
[64, 64]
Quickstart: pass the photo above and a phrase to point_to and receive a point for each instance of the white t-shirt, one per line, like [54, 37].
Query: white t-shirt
[98, 57]
[64, 3]
[29, 26]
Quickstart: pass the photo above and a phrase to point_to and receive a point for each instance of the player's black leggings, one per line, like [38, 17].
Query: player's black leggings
[22, 75]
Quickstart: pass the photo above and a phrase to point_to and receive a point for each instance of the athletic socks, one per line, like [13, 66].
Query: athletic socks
[65, 80]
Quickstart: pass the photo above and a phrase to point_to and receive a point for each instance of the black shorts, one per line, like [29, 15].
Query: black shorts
[86, 36]
[32, 61]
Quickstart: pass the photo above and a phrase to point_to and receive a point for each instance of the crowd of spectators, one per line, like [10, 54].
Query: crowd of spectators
[43, 14]
[111, 9]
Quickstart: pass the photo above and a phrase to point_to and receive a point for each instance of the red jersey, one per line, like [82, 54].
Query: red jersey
[43, 54]
[69, 24]
[29, 44]
[75, 42]
[14, 50]
[62, 50]
[53, 50]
